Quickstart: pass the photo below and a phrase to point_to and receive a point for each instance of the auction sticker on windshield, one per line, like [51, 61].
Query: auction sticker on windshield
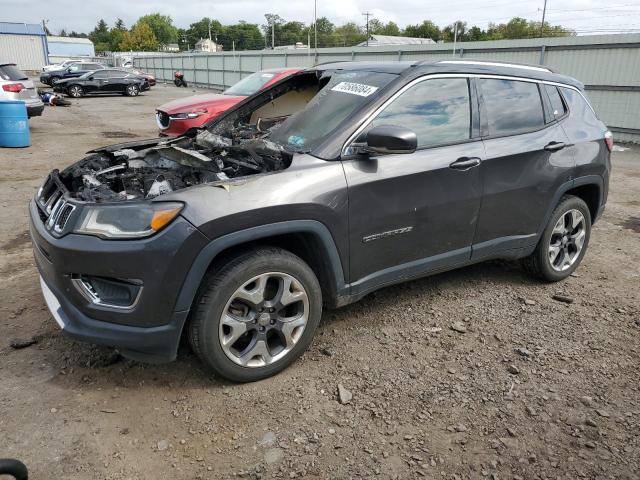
[354, 88]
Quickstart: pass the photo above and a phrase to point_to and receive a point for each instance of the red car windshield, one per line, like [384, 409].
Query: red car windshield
[250, 85]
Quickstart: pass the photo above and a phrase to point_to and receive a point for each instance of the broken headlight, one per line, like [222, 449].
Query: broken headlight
[186, 116]
[128, 221]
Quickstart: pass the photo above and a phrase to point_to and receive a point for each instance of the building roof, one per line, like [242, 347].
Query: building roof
[15, 28]
[375, 40]
[55, 39]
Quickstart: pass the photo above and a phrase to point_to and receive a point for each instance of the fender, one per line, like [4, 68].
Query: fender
[210, 251]
[564, 188]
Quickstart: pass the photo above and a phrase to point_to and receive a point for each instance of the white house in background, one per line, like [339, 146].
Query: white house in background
[382, 40]
[207, 45]
[170, 47]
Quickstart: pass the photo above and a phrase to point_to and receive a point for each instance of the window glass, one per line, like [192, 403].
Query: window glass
[511, 106]
[250, 85]
[98, 75]
[116, 74]
[74, 68]
[10, 72]
[437, 110]
[557, 106]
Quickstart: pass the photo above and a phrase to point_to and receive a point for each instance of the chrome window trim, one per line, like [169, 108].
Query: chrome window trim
[424, 78]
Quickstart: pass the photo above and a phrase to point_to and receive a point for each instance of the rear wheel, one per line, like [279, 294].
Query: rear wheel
[563, 243]
[75, 91]
[256, 314]
[132, 90]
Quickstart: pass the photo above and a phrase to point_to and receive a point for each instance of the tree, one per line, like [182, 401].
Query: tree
[272, 28]
[347, 35]
[162, 27]
[427, 29]
[141, 38]
[200, 29]
[63, 33]
[100, 36]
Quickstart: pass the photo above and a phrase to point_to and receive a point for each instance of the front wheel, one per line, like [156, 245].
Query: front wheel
[563, 243]
[53, 80]
[132, 90]
[256, 314]
[75, 91]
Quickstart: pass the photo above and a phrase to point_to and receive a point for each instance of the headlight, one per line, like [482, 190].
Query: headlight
[128, 221]
[184, 116]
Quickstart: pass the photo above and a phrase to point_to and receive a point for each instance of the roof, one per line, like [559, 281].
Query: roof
[467, 66]
[55, 39]
[394, 40]
[14, 28]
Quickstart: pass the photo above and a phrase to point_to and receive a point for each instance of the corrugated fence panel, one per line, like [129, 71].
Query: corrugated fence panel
[608, 65]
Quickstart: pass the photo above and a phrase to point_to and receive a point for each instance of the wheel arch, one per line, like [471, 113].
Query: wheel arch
[589, 188]
[309, 239]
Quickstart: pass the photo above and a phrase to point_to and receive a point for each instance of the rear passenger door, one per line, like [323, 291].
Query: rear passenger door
[526, 160]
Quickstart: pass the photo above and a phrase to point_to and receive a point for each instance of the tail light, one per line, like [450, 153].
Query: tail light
[13, 87]
[608, 139]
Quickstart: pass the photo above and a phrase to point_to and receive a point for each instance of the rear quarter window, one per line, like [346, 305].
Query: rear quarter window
[511, 106]
[558, 108]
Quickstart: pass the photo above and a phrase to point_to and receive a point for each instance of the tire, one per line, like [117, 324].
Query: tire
[75, 91]
[132, 91]
[53, 80]
[563, 243]
[258, 345]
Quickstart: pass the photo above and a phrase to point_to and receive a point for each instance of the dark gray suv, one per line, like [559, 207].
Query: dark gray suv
[335, 182]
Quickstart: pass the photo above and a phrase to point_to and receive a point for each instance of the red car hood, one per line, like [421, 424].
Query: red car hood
[209, 101]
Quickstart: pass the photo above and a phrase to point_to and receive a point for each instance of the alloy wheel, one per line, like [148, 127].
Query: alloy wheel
[264, 319]
[567, 240]
[75, 91]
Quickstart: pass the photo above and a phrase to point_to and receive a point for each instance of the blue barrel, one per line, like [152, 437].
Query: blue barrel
[14, 124]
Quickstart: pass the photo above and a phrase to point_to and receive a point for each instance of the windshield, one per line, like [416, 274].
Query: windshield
[250, 85]
[341, 96]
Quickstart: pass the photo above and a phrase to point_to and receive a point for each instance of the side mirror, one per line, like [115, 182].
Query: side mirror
[391, 139]
[91, 77]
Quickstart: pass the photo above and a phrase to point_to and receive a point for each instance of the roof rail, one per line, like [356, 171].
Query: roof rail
[497, 64]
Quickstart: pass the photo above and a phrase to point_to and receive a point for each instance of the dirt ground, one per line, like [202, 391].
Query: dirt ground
[534, 388]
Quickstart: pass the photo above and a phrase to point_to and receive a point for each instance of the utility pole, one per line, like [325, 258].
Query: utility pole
[315, 26]
[209, 29]
[367, 14]
[544, 12]
[455, 37]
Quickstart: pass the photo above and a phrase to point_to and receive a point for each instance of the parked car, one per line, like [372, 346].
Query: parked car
[15, 85]
[74, 70]
[368, 174]
[107, 81]
[59, 66]
[151, 80]
[178, 116]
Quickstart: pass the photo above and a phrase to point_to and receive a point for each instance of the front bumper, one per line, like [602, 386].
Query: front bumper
[150, 329]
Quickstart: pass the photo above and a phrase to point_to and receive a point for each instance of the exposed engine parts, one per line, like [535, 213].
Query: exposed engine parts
[139, 173]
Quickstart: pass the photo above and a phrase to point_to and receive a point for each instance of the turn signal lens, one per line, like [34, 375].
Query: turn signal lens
[608, 139]
[162, 218]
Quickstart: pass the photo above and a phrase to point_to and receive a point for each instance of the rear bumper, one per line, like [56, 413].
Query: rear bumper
[35, 109]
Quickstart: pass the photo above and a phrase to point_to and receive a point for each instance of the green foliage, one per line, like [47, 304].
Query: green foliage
[162, 27]
[159, 30]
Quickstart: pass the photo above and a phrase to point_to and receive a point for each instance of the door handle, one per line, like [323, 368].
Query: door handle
[465, 163]
[554, 146]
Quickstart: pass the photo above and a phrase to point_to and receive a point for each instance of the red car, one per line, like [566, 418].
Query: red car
[178, 116]
[151, 80]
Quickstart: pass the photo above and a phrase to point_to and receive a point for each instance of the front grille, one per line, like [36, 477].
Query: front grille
[163, 119]
[53, 208]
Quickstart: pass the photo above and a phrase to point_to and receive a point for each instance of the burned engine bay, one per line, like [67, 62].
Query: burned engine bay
[236, 146]
[145, 173]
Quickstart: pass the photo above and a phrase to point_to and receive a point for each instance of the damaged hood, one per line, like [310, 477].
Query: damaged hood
[208, 101]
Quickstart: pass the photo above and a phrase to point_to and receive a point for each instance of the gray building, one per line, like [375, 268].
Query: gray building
[24, 44]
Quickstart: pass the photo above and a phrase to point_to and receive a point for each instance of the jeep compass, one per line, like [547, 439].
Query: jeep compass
[332, 183]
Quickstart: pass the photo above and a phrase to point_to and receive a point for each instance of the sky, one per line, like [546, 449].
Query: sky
[585, 16]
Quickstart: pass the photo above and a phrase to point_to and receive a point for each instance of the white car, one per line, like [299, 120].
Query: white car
[58, 66]
[15, 85]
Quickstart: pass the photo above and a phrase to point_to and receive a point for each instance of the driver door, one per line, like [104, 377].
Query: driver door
[414, 213]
